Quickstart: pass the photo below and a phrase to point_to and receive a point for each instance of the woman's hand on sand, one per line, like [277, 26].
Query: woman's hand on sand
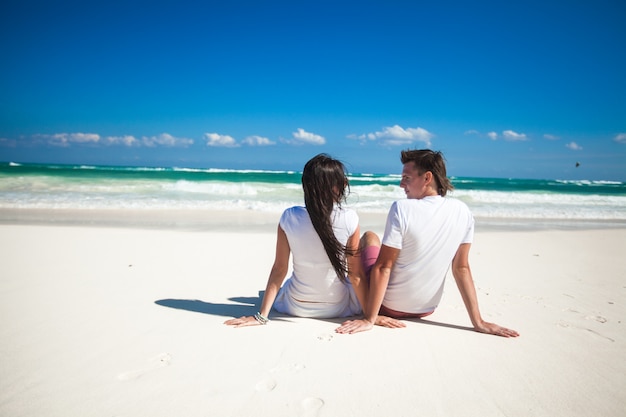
[354, 326]
[243, 321]
[492, 328]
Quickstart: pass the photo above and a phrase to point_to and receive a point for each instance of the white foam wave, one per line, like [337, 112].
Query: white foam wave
[246, 171]
[395, 179]
[57, 193]
[587, 182]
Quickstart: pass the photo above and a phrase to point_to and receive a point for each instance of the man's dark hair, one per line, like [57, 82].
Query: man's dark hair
[428, 160]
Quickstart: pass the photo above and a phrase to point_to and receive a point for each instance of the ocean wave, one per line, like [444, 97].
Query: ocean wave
[88, 187]
[357, 179]
[248, 171]
[271, 198]
[588, 182]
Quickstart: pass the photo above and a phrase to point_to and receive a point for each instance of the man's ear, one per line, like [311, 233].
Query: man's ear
[428, 177]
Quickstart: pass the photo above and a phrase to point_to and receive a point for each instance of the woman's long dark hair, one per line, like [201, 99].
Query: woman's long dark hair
[325, 184]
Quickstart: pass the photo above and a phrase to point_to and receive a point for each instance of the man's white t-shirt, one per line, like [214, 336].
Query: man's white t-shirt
[428, 232]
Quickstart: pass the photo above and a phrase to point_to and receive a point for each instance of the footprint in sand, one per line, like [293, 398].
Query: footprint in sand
[311, 406]
[325, 337]
[564, 324]
[265, 385]
[155, 363]
[599, 319]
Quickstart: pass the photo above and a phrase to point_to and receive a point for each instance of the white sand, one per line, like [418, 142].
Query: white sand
[100, 321]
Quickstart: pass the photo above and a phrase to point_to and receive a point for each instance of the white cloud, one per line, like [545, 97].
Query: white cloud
[257, 141]
[574, 146]
[302, 136]
[65, 139]
[550, 137]
[9, 143]
[492, 135]
[165, 139]
[620, 138]
[514, 136]
[215, 139]
[397, 135]
[126, 140]
[472, 132]
[82, 137]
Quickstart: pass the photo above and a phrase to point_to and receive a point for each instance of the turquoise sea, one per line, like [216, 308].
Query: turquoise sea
[50, 187]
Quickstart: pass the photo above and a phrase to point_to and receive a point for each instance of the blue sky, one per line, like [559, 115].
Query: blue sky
[505, 89]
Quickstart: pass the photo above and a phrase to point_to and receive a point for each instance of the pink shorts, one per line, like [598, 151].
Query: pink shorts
[368, 259]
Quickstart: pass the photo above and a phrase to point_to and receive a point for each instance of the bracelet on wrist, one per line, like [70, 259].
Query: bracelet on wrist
[261, 318]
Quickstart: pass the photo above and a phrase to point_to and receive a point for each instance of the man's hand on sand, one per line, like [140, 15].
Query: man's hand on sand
[355, 326]
[389, 322]
[492, 328]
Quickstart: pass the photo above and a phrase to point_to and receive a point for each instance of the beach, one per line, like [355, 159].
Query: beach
[125, 318]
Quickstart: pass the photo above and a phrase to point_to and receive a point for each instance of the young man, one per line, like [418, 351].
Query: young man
[424, 235]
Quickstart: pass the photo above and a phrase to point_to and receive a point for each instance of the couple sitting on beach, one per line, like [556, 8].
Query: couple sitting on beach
[339, 273]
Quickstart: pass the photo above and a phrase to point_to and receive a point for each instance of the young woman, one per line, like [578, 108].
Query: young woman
[323, 236]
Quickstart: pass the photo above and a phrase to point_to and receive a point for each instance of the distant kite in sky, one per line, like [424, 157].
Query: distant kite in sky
[577, 164]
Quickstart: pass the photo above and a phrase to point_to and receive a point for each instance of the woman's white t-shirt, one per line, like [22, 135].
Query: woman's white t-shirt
[314, 290]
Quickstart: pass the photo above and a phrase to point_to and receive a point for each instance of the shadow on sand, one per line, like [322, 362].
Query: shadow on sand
[242, 306]
[248, 306]
[439, 324]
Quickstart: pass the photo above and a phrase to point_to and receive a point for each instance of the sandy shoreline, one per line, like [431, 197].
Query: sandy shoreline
[251, 221]
[127, 321]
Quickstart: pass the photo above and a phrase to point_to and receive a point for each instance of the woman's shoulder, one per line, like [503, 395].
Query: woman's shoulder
[351, 213]
[347, 216]
[293, 212]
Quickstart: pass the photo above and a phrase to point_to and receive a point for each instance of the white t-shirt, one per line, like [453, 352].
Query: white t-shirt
[314, 290]
[428, 232]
